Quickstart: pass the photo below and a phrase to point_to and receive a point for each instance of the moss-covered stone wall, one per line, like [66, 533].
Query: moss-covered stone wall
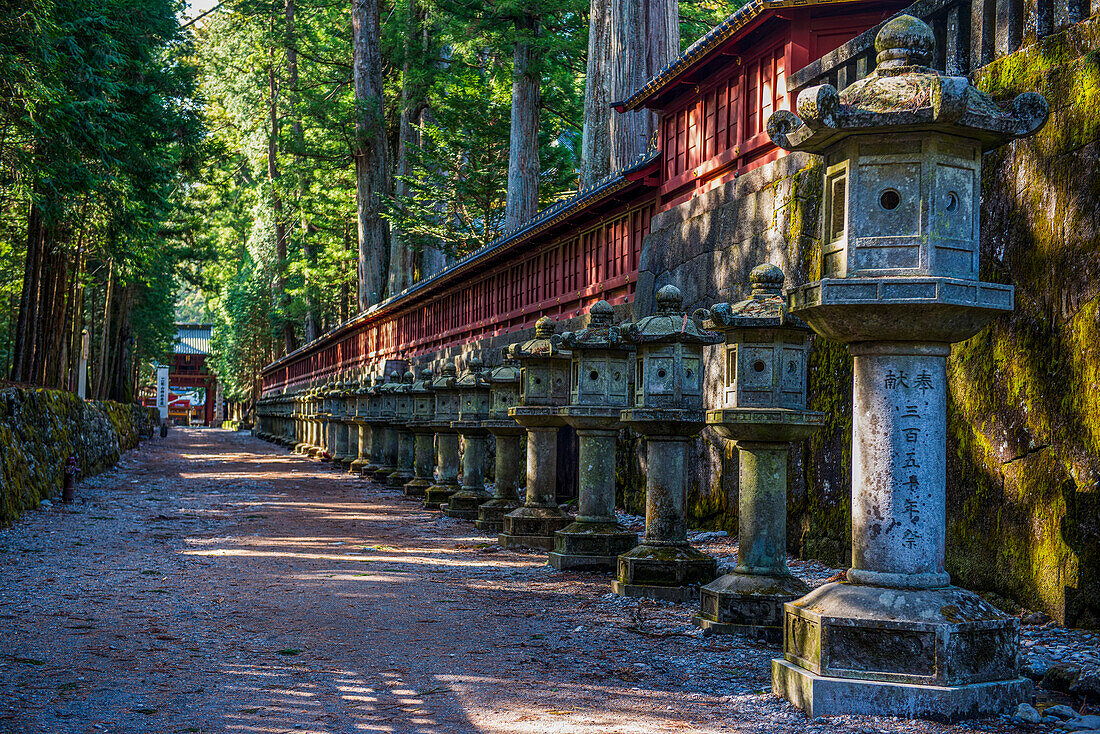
[1025, 420]
[41, 429]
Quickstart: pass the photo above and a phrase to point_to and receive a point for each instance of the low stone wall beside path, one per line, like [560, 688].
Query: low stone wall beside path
[41, 429]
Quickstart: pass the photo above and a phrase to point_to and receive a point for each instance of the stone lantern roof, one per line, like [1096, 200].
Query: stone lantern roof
[446, 379]
[765, 307]
[507, 372]
[423, 384]
[670, 325]
[545, 345]
[904, 94]
[474, 376]
[599, 334]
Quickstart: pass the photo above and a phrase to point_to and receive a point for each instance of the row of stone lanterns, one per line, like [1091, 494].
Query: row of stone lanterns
[899, 261]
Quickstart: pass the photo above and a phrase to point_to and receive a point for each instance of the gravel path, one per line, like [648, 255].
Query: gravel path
[214, 583]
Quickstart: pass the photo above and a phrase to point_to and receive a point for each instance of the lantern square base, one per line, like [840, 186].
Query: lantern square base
[417, 488]
[939, 637]
[358, 465]
[463, 504]
[532, 527]
[664, 572]
[592, 546]
[399, 478]
[748, 604]
[826, 696]
[438, 494]
[380, 473]
[490, 516]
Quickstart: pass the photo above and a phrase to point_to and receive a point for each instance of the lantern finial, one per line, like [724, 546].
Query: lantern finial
[669, 300]
[904, 41]
[544, 328]
[766, 280]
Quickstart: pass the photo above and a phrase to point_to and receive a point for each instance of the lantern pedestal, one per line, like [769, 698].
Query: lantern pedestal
[423, 459]
[363, 459]
[534, 524]
[510, 473]
[404, 471]
[665, 566]
[339, 445]
[750, 600]
[377, 445]
[446, 467]
[896, 634]
[464, 503]
[352, 454]
[388, 454]
[595, 540]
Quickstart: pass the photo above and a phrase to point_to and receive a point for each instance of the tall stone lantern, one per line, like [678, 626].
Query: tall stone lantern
[341, 442]
[903, 150]
[446, 391]
[387, 413]
[361, 401]
[376, 426]
[402, 414]
[668, 411]
[764, 409]
[601, 390]
[473, 410]
[510, 463]
[351, 427]
[305, 421]
[544, 377]
[320, 420]
[423, 408]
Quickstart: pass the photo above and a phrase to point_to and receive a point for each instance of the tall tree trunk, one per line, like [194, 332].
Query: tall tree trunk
[522, 202]
[645, 37]
[26, 328]
[304, 227]
[282, 298]
[370, 151]
[403, 259]
[105, 339]
[596, 133]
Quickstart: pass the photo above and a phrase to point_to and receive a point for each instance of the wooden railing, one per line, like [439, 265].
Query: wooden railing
[969, 35]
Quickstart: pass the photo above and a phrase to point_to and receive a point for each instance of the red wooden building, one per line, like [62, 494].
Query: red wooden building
[713, 100]
[189, 369]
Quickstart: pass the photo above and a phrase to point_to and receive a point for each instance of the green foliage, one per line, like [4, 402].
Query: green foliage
[97, 120]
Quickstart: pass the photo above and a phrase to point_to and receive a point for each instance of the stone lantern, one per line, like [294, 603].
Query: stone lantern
[764, 409]
[903, 150]
[351, 426]
[446, 391]
[374, 425]
[320, 447]
[668, 412]
[473, 410]
[402, 414]
[341, 440]
[423, 408]
[387, 393]
[601, 390]
[360, 401]
[544, 379]
[305, 421]
[510, 465]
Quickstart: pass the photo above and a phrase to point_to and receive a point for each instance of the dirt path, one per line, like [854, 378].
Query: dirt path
[214, 583]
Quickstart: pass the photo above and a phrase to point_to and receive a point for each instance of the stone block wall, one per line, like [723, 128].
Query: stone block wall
[41, 429]
[1024, 418]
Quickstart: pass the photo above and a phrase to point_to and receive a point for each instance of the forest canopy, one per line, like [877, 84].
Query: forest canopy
[237, 164]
